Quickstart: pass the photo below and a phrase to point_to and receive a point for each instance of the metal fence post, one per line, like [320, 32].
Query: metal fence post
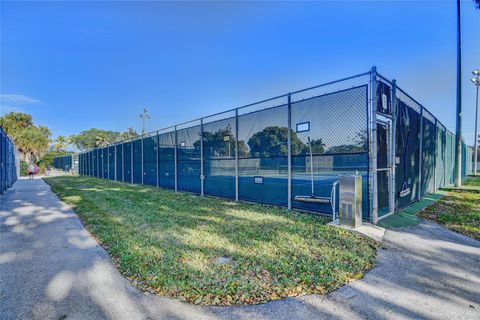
[393, 148]
[435, 157]
[202, 176]
[373, 146]
[108, 163]
[115, 162]
[143, 170]
[176, 162]
[236, 155]
[123, 162]
[289, 153]
[420, 153]
[158, 156]
[131, 161]
[445, 158]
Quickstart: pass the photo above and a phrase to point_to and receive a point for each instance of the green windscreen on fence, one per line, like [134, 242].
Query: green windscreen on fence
[105, 163]
[328, 146]
[407, 152]
[95, 162]
[428, 153]
[63, 162]
[127, 162]
[8, 168]
[450, 157]
[219, 147]
[262, 137]
[440, 161]
[111, 163]
[166, 160]
[119, 162]
[188, 156]
[86, 165]
[80, 161]
[150, 160]
[83, 164]
[245, 151]
[137, 161]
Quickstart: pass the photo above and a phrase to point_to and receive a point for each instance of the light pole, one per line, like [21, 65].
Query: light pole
[144, 117]
[476, 82]
[458, 129]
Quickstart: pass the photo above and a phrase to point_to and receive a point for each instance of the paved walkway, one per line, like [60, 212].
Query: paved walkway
[51, 268]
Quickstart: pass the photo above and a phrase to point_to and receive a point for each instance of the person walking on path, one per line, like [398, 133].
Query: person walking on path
[31, 171]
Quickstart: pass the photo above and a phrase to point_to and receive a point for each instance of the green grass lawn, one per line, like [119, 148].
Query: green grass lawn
[472, 182]
[169, 243]
[458, 210]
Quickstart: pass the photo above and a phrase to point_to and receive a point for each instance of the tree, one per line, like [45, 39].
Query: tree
[221, 144]
[318, 146]
[94, 138]
[272, 141]
[31, 140]
[61, 144]
[129, 134]
[360, 144]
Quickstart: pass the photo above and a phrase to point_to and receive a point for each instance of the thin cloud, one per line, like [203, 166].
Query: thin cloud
[17, 99]
[6, 109]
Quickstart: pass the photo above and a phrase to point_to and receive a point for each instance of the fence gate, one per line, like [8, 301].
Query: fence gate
[384, 167]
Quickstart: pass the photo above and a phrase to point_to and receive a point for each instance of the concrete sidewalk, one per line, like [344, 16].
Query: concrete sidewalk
[51, 268]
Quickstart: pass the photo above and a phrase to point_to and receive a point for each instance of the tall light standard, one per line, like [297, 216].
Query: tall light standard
[476, 82]
[458, 129]
[144, 117]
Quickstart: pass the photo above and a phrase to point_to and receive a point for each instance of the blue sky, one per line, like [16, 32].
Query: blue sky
[77, 65]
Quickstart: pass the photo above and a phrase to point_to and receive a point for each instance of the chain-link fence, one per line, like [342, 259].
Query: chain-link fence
[293, 148]
[424, 158]
[9, 162]
[70, 163]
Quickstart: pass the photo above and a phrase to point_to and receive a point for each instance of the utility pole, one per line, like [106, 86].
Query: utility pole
[458, 131]
[145, 116]
[476, 82]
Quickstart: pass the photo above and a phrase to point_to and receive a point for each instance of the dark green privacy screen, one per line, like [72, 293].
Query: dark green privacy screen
[105, 163]
[166, 160]
[294, 148]
[119, 162]
[440, 154]
[8, 162]
[150, 160]
[137, 161]
[127, 162]
[111, 163]
[428, 155]
[188, 159]
[338, 144]
[63, 162]
[262, 144]
[407, 152]
[219, 147]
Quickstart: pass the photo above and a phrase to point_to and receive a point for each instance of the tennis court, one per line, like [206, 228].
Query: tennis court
[293, 148]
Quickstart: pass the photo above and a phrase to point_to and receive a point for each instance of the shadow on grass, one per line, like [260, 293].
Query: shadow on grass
[169, 241]
[423, 272]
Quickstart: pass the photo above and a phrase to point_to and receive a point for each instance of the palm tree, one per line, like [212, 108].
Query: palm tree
[102, 139]
[61, 143]
[129, 134]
